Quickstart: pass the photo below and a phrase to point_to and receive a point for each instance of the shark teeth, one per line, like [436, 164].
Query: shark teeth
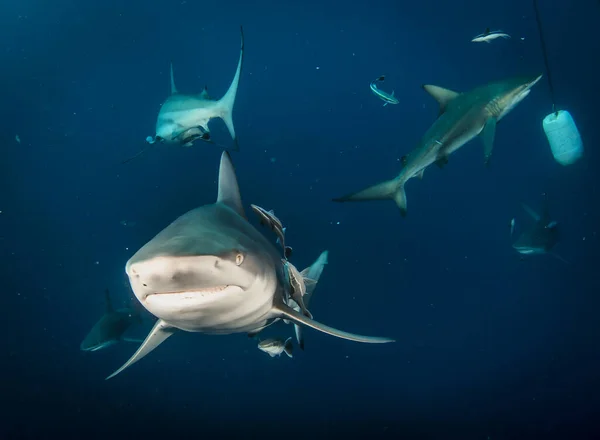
[202, 291]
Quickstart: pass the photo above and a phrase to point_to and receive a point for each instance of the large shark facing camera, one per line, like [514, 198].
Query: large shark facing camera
[211, 271]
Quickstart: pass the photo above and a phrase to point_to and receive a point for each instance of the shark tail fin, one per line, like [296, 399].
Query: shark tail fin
[288, 347]
[390, 189]
[228, 100]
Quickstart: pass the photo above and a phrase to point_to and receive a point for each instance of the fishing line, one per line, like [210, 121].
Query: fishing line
[543, 42]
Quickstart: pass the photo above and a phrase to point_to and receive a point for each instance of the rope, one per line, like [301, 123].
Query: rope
[539, 24]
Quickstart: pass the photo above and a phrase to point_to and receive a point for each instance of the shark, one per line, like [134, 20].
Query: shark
[110, 327]
[184, 118]
[211, 271]
[462, 117]
[541, 237]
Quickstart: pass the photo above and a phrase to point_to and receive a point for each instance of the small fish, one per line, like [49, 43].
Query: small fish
[297, 283]
[386, 97]
[512, 227]
[275, 346]
[488, 36]
[268, 218]
[18, 139]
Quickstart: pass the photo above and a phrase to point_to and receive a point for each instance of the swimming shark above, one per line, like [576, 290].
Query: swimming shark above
[183, 119]
[463, 116]
[110, 327]
[541, 237]
[211, 271]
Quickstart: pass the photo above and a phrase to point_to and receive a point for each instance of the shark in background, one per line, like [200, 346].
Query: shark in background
[184, 118]
[541, 237]
[111, 327]
[212, 271]
[463, 116]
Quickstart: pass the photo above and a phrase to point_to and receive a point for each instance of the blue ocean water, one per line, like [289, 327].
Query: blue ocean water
[488, 346]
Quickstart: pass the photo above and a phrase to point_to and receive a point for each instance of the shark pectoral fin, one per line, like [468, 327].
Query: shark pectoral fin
[137, 341]
[299, 336]
[421, 173]
[441, 95]
[288, 347]
[204, 94]
[488, 133]
[385, 103]
[173, 88]
[157, 335]
[297, 318]
[390, 189]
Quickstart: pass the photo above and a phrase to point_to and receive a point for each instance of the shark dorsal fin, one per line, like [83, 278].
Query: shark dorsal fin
[545, 217]
[531, 212]
[204, 94]
[109, 306]
[173, 88]
[229, 191]
[487, 31]
[441, 95]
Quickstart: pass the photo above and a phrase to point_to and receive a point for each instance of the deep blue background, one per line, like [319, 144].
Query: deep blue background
[488, 346]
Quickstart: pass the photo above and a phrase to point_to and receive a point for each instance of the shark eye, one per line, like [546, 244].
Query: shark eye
[239, 259]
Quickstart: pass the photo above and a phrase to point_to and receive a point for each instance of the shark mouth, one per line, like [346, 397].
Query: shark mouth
[204, 292]
[528, 251]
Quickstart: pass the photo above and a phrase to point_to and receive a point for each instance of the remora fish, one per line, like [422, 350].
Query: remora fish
[488, 36]
[268, 218]
[184, 118]
[275, 346]
[312, 273]
[541, 237]
[211, 271]
[110, 327]
[386, 97]
[462, 117]
[297, 285]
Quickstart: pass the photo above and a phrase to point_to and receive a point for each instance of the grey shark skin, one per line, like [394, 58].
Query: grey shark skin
[541, 237]
[463, 116]
[184, 118]
[110, 328]
[211, 271]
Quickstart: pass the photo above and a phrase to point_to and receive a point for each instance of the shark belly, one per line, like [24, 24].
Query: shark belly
[173, 120]
[242, 313]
